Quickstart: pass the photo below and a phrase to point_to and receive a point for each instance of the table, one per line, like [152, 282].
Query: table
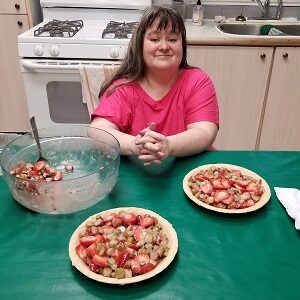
[221, 256]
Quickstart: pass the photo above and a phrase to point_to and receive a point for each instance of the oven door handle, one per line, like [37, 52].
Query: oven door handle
[32, 65]
[74, 66]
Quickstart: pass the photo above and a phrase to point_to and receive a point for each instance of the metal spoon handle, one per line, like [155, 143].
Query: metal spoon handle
[36, 135]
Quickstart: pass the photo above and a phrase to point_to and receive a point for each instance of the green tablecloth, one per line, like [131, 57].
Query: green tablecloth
[221, 256]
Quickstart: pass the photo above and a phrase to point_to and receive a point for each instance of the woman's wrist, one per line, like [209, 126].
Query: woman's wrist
[170, 146]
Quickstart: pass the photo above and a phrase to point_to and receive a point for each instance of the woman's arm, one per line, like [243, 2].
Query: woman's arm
[127, 141]
[198, 137]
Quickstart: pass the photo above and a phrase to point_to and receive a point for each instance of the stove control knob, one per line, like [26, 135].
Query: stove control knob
[38, 50]
[54, 51]
[114, 52]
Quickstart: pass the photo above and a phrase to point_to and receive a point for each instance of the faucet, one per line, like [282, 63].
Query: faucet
[279, 9]
[264, 7]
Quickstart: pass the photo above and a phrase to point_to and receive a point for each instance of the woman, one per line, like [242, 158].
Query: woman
[156, 105]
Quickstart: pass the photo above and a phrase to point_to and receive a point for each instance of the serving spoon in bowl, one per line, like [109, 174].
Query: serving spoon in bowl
[37, 140]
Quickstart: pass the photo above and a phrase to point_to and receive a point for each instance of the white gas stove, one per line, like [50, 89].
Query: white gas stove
[75, 34]
[88, 42]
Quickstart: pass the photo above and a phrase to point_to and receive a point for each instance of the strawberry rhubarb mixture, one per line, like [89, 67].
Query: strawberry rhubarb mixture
[39, 171]
[224, 188]
[122, 245]
[30, 173]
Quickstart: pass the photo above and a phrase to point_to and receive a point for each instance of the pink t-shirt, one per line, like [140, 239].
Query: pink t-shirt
[192, 98]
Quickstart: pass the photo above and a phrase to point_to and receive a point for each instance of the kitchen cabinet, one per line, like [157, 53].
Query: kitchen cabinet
[15, 18]
[281, 123]
[240, 75]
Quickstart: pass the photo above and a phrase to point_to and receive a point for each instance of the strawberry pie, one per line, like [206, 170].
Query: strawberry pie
[123, 245]
[226, 188]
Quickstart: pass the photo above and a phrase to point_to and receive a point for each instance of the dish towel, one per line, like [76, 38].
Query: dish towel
[92, 77]
[290, 199]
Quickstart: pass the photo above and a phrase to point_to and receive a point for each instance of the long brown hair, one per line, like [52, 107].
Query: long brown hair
[133, 66]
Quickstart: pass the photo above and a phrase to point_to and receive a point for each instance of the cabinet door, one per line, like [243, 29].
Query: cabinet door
[240, 75]
[13, 7]
[281, 124]
[13, 107]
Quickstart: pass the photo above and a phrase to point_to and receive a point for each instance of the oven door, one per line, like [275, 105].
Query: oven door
[54, 91]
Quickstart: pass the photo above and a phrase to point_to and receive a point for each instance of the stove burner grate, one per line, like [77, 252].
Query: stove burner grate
[57, 28]
[119, 30]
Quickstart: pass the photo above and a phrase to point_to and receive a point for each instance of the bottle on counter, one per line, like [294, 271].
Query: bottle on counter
[198, 11]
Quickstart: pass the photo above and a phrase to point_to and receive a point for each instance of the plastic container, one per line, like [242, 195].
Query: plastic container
[198, 12]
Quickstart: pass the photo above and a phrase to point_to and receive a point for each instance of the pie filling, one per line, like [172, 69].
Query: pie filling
[225, 188]
[122, 245]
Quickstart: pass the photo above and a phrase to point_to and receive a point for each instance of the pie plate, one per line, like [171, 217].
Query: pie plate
[167, 229]
[262, 201]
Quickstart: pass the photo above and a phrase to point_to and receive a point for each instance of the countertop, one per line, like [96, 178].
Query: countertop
[221, 256]
[209, 34]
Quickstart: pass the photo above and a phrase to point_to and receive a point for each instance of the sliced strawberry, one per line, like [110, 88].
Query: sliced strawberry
[228, 200]
[93, 267]
[58, 176]
[138, 233]
[30, 186]
[251, 187]
[146, 268]
[227, 183]
[206, 188]
[236, 173]
[240, 188]
[220, 196]
[128, 218]
[242, 183]
[139, 219]
[91, 250]
[122, 257]
[39, 165]
[136, 269]
[250, 202]
[202, 177]
[101, 261]
[142, 259]
[223, 173]
[88, 260]
[33, 173]
[99, 238]
[81, 251]
[109, 217]
[87, 240]
[147, 221]
[133, 246]
[217, 184]
[260, 190]
[243, 204]
[238, 204]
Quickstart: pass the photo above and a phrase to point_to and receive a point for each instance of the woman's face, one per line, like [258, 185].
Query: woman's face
[162, 48]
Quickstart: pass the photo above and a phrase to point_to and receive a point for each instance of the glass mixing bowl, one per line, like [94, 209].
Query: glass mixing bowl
[93, 153]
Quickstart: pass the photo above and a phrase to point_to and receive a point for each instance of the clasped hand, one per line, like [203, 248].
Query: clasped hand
[152, 147]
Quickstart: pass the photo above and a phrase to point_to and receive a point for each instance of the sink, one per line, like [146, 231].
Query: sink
[289, 29]
[240, 29]
[254, 29]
